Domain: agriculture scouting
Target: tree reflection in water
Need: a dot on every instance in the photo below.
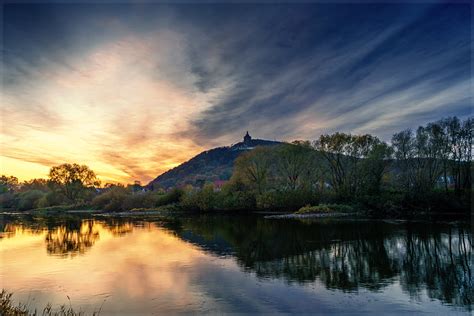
(342, 254)
(71, 239)
(67, 235)
(346, 255)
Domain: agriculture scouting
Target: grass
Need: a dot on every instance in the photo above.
(8, 308)
(325, 208)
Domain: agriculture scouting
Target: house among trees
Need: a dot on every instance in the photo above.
(218, 184)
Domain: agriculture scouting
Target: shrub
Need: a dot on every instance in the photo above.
(111, 200)
(170, 197)
(238, 200)
(151, 199)
(7, 200)
(50, 199)
(325, 208)
(28, 200)
(203, 200)
(286, 200)
(384, 203)
(136, 201)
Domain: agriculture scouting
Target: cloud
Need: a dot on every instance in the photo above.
(136, 89)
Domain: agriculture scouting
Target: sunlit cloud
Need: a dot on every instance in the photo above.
(133, 90)
(116, 109)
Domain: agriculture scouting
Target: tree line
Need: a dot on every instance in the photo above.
(424, 170)
(67, 184)
(428, 169)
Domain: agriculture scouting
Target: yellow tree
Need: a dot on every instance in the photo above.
(72, 179)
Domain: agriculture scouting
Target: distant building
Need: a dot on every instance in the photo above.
(247, 144)
(247, 138)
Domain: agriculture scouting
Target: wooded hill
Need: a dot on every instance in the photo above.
(209, 166)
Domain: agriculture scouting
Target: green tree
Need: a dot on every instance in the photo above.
(8, 184)
(29, 199)
(203, 199)
(334, 149)
(373, 167)
(35, 184)
(253, 168)
(112, 200)
(346, 156)
(295, 165)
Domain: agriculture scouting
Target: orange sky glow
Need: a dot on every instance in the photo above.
(112, 113)
(132, 90)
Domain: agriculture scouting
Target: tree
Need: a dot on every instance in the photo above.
(402, 146)
(72, 179)
(347, 156)
(466, 143)
(334, 148)
(253, 168)
(373, 167)
(29, 199)
(427, 157)
(112, 200)
(8, 184)
(35, 184)
(294, 164)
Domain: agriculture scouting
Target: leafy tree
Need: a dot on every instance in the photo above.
(202, 200)
(334, 149)
(72, 179)
(345, 154)
(253, 168)
(29, 199)
(373, 168)
(8, 184)
(112, 199)
(35, 184)
(295, 165)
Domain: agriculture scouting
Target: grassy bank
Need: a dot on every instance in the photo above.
(9, 308)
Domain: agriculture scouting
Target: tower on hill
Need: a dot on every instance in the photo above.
(247, 138)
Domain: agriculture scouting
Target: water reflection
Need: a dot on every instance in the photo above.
(66, 235)
(71, 239)
(347, 256)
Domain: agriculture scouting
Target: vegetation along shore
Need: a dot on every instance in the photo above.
(420, 173)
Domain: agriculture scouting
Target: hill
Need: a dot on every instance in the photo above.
(208, 166)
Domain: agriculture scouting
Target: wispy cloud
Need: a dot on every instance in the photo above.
(359, 76)
(133, 90)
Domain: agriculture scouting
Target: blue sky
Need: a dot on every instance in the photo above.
(134, 89)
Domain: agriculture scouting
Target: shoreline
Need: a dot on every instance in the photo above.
(312, 215)
(444, 217)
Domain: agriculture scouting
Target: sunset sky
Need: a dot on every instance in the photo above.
(134, 89)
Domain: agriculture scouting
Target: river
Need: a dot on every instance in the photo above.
(236, 264)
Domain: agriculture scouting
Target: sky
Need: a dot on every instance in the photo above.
(134, 89)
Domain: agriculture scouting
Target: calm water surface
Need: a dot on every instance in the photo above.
(248, 264)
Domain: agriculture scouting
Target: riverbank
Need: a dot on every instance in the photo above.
(313, 215)
(268, 215)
